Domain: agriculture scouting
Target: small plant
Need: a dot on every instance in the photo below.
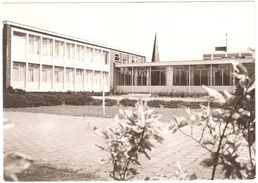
(133, 137)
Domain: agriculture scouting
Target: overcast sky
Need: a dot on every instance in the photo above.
(185, 30)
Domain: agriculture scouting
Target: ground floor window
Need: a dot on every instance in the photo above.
(69, 76)
(33, 73)
(79, 76)
(200, 75)
(18, 71)
(140, 76)
(180, 75)
(125, 76)
(58, 74)
(222, 75)
(46, 73)
(158, 76)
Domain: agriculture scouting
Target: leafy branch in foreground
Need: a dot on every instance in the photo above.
(134, 136)
(227, 133)
(14, 162)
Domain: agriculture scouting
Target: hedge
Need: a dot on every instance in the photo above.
(19, 98)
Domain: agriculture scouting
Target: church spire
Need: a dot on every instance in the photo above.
(155, 52)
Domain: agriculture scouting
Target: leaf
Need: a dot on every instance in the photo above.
(207, 162)
(250, 88)
(145, 153)
(215, 94)
(238, 67)
(133, 171)
(158, 138)
(101, 147)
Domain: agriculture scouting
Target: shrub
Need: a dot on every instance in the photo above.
(132, 138)
(110, 102)
(14, 100)
(128, 102)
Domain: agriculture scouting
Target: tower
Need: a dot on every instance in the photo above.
(155, 52)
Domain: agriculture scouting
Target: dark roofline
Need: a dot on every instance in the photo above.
(50, 33)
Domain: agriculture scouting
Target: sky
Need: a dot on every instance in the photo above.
(185, 30)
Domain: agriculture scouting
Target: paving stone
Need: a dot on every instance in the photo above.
(68, 142)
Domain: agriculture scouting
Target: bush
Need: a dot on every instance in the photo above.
(128, 102)
(110, 102)
(14, 100)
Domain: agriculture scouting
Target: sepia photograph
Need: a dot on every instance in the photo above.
(127, 90)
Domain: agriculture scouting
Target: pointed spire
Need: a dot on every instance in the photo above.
(155, 52)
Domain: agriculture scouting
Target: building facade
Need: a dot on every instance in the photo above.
(39, 60)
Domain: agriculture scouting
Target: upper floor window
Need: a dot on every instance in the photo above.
(80, 53)
(117, 57)
(34, 44)
(47, 47)
(89, 54)
(59, 49)
(105, 54)
(70, 51)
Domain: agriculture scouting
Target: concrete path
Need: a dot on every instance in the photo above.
(68, 142)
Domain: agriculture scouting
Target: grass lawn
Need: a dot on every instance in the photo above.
(95, 111)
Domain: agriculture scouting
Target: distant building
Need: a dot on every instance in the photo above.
(215, 71)
(40, 60)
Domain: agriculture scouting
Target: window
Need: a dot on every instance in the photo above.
(47, 47)
(117, 57)
(105, 53)
(19, 45)
(140, 75)
(125, 58)
(18, 71)
(98, 56)
(34, 45)
(88, 77)
(58, 74)
(70, 51)
(79, 76)
(33, 73)
(80, 53)
(59, 49)
(69, 75)
(221, 75)
(200, 75)
(158, 76)
(180, 75)
(89, 54)
(46, 74)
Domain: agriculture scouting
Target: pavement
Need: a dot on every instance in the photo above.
(68, 142)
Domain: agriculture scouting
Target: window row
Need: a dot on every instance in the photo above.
(216, 75)
(18, 74)
(126, 58)
(69, 51)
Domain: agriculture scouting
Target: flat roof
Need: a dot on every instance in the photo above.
(183, 62)
(42, 31)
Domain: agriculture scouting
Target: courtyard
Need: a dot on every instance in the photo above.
(66, 143)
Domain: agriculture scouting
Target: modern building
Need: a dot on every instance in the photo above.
(40, 60)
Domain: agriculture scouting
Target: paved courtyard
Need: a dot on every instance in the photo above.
(68, 142)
